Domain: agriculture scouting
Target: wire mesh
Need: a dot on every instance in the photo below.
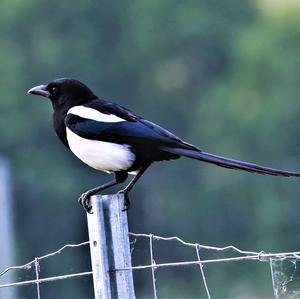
(36, 264)
(278, 263)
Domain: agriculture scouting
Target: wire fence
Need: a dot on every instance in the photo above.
(36, 264)
(279, 279)
(281, 275)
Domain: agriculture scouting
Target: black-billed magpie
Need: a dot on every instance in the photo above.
(111, 138)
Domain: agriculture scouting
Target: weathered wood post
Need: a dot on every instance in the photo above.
(110, 249)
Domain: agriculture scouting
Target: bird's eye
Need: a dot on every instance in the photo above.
(54, 90)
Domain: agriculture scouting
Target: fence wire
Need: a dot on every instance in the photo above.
(275, 260)
(36, 264)
(279, 278)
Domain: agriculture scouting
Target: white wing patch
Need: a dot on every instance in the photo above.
(90, 113)
(101, 155)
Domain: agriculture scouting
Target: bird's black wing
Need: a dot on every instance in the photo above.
(146, 136)
(107, 107)
(133, 133)
(146, 127)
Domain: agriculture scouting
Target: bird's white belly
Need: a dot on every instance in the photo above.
(101, 155)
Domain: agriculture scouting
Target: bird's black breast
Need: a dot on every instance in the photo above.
(60, 127)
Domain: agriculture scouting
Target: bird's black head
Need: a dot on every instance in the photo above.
(64, 92)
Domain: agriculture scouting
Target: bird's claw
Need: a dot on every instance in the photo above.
(84, 201)
(126, 200)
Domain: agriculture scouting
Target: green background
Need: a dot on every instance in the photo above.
(223, 75)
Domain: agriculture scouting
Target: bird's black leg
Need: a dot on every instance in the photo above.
(126, 190)
(120, 177)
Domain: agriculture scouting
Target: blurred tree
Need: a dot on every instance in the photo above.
(253, 115)
(214, 72)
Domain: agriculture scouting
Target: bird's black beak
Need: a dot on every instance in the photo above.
(40, 90)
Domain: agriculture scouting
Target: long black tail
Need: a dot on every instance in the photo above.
(229, 163)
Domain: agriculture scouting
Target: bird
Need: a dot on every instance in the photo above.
(111, 138)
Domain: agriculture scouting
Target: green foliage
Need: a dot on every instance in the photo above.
(217, 73)
(257, 106)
